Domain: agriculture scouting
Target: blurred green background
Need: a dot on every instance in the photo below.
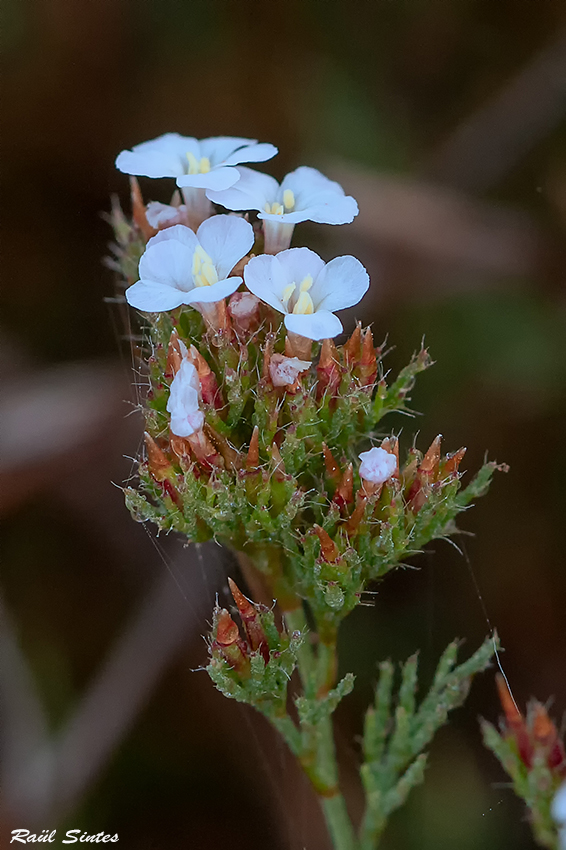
(446, 120)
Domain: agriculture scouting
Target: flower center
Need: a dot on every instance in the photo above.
(198, 166)
(204, 273)
(279, 209)
(301, 304)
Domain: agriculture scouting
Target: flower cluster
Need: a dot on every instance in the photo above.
(261, 432)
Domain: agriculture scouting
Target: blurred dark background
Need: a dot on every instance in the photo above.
(446, 120)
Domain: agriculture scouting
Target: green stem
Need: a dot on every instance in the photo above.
(338, 822)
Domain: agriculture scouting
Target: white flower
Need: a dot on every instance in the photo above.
(204, 164)
(285, 370)
(179, 267)
(559, 813)
(183, 403)
(377, 465)
(304, 195)
(299, 284)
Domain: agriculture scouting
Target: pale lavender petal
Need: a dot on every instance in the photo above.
(218, 148)
(178, 233)
(164, 156)
(219, 178)
(153, 297)
(319, 325)
(216, 292)
(252, 191)
(226, 239)
(342, 283)
(168, 262)
(298, 263)
(252, 153)
(266, 278)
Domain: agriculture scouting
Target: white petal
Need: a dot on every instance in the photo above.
(319, 325)
(306, 183)
(252, 153)
(183, 402)
(178, 233)
(168, 262)
(323, 199)
(218, 148)
(266, 278)
(300, 262)
(559, 805)
(217, 179)
(216, 292)
(252, 191)
(161, 157)
(286, 218)
(226, 239)
(153, 297)
(334, 210)
(342, 283)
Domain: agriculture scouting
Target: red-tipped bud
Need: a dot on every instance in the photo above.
(208, 384)
(357, 514)
(251, 621)
(232, 457)
(277, 461)
(285, 371)
(138, 210)
(227, 639)
(430, 462)
(298, 346)
(252, 458)
(267, 355)
(205, 451)
(158, 463)
(352, 348)
(367, 369)
(176, 350)
(514, 720)
(328, 370)
(332, 468)
(328, 548)
(452, 462)
(344, 494)
(243, 308)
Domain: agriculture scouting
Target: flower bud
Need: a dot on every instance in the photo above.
(328, 370)
(251, 621)
(352, 348)
(138, 210)
(158, 463)
(243, 308)
(328, 548)
(284, 371)
(209, 390)
(344, 495)
(332, 468)
(367, 369)
(226, 639)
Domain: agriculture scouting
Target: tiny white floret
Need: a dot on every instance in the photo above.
(299, 284)
(285, 370)
(377, 465)
(181, 267)
(164, 215)
(183, 403)
(201, 164)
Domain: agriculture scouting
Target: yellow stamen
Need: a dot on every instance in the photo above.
(204, 273)
(306, 283)
(197, 166)
(287, 292)
(304, 304)
(288, 199)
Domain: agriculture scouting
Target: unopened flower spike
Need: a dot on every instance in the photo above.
(181, 267)
(304, 195)
(299, 284)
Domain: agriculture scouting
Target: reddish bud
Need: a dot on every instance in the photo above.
(328, 548)
(430, 462)
(267, 354)
(352, 347)
(227, 639)
(452, 462)
(357, 515)
(344, 494)
(277, 460)
(367, 369)
(138, 210)
(158, 463)
(205, 451)
(243, 308)
(209, 390)
(328, 370)
(251, 621)
(515, 722)
(391, 445)
(332, 468)
(175, 353)
(252, 458)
